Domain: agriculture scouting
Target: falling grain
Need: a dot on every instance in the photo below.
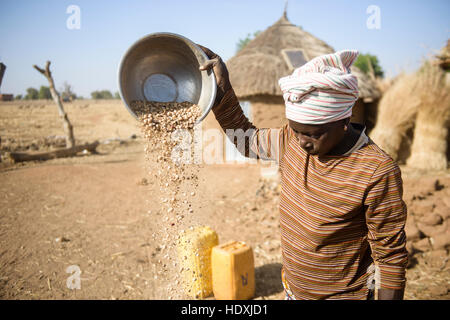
(168, 128)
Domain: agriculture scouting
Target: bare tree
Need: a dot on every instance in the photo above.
(70, 139)
(71, 149)
(67, 93)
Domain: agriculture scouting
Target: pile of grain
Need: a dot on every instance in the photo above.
(166, 126)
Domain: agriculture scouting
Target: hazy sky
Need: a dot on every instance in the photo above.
(34, 31)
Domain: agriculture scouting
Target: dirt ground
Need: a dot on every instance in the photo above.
(96, 211)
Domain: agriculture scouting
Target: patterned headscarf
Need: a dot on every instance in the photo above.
(322, 90)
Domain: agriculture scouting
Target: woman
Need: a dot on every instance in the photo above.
(342, 216)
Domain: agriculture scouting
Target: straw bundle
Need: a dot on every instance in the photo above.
(443, 59)
(383, 84)
(396, 113)
(429, 148)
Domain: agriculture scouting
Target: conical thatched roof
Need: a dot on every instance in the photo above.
(255, 69)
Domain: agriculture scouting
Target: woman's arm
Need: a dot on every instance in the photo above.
(249, 140)
(386, 217)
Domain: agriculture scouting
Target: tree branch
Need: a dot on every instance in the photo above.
(60, 153)
(67, 125)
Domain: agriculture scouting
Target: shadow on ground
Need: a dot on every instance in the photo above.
(268, 279)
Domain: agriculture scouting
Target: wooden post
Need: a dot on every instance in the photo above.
(2, 72)
(70, 139)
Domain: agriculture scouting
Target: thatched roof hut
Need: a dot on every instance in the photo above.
(255, 70)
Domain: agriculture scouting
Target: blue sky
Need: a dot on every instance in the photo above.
(34, 31)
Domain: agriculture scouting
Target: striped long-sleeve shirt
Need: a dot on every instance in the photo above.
(341, 217)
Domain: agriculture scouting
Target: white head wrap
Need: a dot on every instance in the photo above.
(322, 90)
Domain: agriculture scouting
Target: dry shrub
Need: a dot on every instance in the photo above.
(429, 148)
(396, 112)
(383, 84)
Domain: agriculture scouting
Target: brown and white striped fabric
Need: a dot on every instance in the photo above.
(339, 215)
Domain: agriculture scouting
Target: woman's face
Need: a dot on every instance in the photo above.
(319, 139)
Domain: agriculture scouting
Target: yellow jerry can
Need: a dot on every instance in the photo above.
(233, 271)
(194, 254)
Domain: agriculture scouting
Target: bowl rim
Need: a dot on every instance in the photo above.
(174, 35)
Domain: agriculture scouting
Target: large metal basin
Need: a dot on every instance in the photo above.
(164, 67)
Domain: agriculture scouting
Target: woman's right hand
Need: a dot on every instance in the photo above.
(220, 72)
